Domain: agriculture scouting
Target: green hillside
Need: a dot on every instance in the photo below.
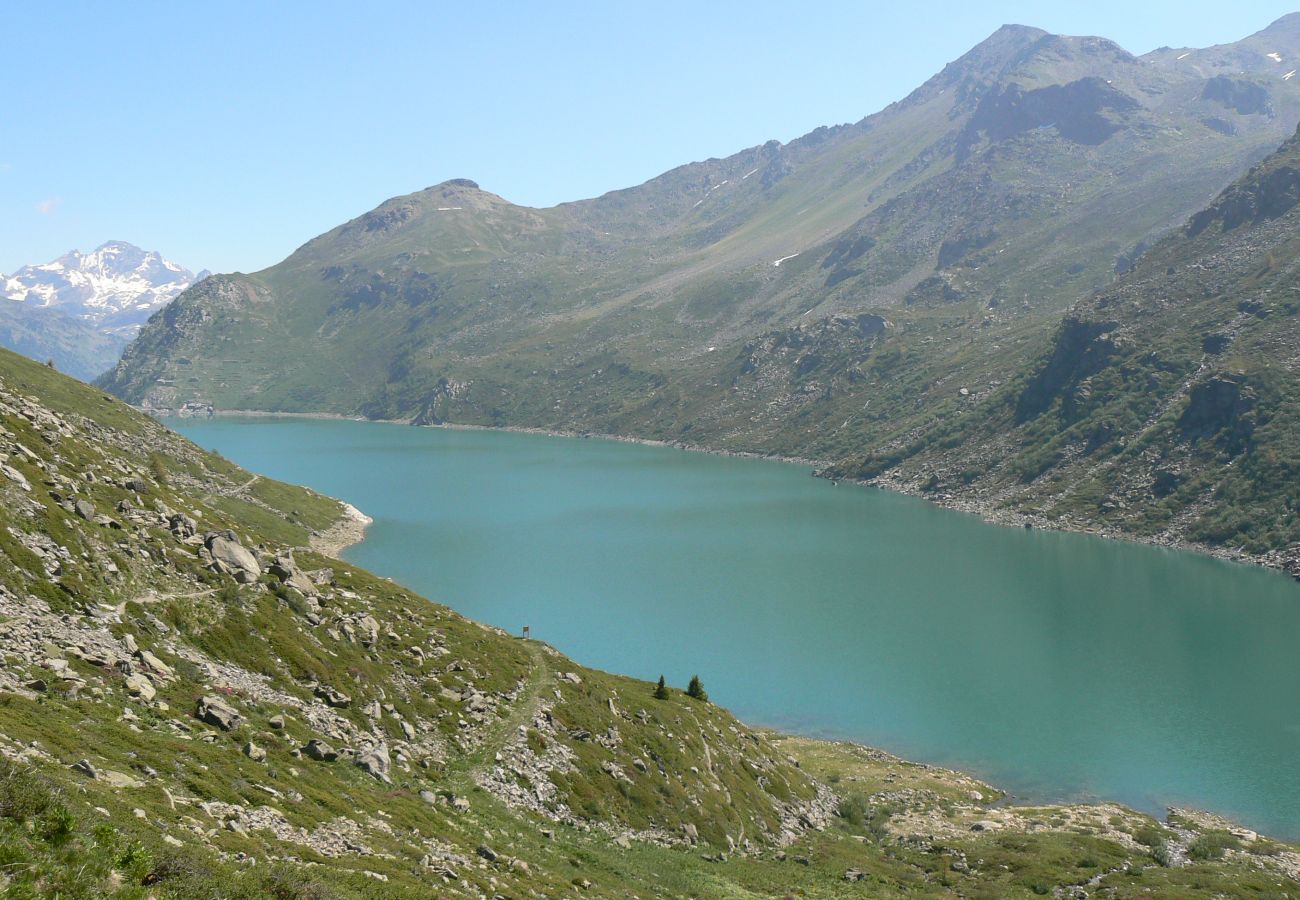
(1164, 406)
(195, 703)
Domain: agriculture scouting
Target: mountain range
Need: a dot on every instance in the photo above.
(847, 296)
(83, 308)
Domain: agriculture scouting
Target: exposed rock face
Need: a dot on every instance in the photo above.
(1222, 407)
(215, 711)
(1083, 111)
(1082, 349)
(1241, 96)
(1271, 195)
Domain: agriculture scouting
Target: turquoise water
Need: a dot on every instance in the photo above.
(1057, 666)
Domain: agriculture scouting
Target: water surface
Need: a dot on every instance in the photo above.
(1058, 666)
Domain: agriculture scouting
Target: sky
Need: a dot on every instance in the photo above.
(228, 134)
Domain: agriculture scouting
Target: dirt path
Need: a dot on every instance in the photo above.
(541, 680)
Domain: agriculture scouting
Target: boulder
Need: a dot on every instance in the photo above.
(154, 664)
(332, 697)
(139, 685)
(375, 762)
(285, 569)
(182, 525)
(254, 752)
(85, 509)
(320, 751)
(233, 556)
(369, 630)
(215, 711)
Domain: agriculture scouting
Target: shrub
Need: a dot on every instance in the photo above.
(23, 796)
(58, 825)
(1212, 845)
(1149, 835)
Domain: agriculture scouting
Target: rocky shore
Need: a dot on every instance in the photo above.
(348, 530)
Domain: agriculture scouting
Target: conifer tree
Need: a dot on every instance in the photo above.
(696, 689)
(661, 692)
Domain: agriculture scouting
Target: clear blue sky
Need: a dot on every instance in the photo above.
(226, 134)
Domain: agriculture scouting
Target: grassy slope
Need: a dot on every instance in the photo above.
(1164, 405)
(558, 763)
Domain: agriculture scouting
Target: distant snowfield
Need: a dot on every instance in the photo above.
(115, 287)
(778, 262)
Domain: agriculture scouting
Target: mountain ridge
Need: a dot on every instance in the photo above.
(810, 299)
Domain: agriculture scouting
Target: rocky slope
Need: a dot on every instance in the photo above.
(716, 303)
(1162, 407)
(195, 703)
(81, 309)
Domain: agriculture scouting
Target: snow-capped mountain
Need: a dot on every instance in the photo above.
(114, 288)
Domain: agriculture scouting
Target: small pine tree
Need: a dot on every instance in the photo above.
(661, 692)
(696, 689)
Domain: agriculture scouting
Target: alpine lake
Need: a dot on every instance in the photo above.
(1056, 666)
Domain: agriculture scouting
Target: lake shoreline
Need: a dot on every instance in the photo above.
(986, 510)
(352, 530)
(347, 531)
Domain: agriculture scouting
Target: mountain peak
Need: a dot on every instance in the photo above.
(453, 184)
(996, 50)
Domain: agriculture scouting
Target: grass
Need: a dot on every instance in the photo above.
(609, 757)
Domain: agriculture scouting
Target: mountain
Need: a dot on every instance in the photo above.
(1163, 406)
(115, 287)
(831, 298)
(198, 701)
(81, 309)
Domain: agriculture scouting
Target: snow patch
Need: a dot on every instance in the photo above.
(747, 174)
(778, 262)
(1276, 57)
(1185, 55)
(1289, 75)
